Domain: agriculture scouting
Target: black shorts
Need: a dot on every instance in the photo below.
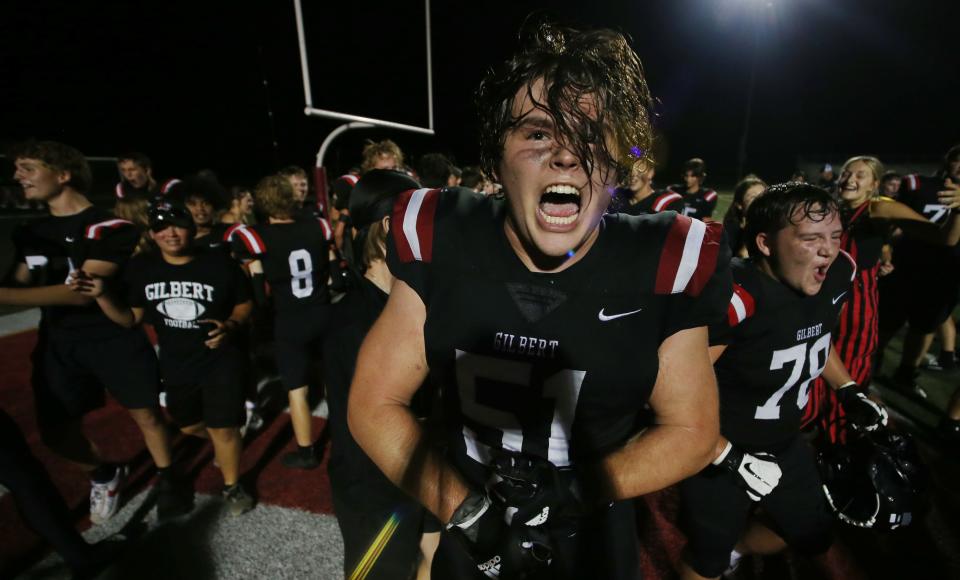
(714, 510)
(603, 545)
(298, 337)
(214, 397)
(69, 375)
(921, 295)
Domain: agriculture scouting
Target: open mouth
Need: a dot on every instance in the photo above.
(820, 272)
(560, 205)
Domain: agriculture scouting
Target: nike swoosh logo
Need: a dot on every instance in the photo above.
(837, 299)
(606, 318)
(68, 239)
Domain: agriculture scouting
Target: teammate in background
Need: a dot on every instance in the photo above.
(80, 351)
(867, 223)
(799, 176)
(301, 187)
(203, 198)
(456, 176)
(291, 256)
(826, 179)
(196, 301)
(744, 193)
(381, 155)
(136, 171)
(365, 501)
(134, 210)
(340, 215)
(434, 170)
(519, 308)
(699, 201)
(774, 342)
(928, 266)
(241, 207)
(890, 184)
(640, 198)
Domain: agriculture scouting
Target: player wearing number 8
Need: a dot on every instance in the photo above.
(775, 341)
(290, 257)
(520, 309)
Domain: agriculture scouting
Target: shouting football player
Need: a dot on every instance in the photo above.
(520, 306)
(196, 300)
(79, 350)
(775, 341)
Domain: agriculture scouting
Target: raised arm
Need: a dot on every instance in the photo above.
(391, 367)
(93, 287)
(915, 225)
(55, 294)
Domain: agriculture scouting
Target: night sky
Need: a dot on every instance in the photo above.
(184, 81)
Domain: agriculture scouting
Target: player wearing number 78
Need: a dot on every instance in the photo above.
(774, 343)
(549, 327)
(291, 256)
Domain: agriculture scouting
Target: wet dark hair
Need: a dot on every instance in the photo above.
(574, 65)
(779, 206)
(59, 157)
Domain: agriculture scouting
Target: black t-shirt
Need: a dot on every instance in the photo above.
(55, 245)
(175, 298)
(777, 344)
(215, 240)
(295, 258)
(698, 205)
(663, 200)
(556, 365)
(351, 470)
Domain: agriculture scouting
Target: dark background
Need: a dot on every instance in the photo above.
(217, 84)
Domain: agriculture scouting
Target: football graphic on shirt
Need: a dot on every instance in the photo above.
(181, 308)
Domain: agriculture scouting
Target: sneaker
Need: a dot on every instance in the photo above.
(254, 421)
(237, 499)
(174, 497)
(105, 497)
(299, 460)
(906, 383)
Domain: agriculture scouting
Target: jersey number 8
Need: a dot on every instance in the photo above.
(301, 272)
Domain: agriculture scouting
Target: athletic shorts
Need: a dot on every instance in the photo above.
(69, 375)
(602, 545)
(298, 337)
(715, 508)
(215, 396)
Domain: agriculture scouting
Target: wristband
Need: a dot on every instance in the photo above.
(723, 454)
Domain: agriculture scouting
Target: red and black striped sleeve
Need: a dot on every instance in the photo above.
(245, 243)
(413, 230)
(110, 240)
(694, 270)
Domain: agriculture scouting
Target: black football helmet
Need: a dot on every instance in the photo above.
(874, 481)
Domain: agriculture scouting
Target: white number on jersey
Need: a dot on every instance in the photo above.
(561, 391)
(798, 355)
(934, 211)
(301, 273)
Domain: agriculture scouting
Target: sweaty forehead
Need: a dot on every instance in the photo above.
(530, 103)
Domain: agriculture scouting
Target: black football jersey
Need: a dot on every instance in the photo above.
(558, 365)
(698, 205)
(175, 298)
(217, 240)
(920, 193)
(295, 259)
(664, 200)
(53, 246)
(777, 344)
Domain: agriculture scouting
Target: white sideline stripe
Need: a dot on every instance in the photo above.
(410, 221)
(690, 257)
(19, 321)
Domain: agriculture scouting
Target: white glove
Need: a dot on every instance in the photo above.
(759, 473)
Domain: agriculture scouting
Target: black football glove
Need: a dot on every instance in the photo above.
(758, 473)
(862, 413)
(532, 490)
(500, 551)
